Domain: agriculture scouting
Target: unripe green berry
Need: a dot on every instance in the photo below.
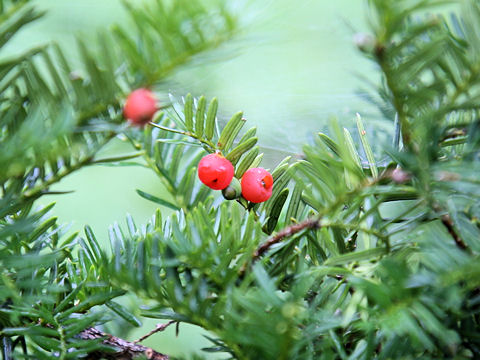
(232, 191)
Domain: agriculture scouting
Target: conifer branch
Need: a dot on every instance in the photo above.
(158, 328)
(121, 349)
(208, 145)
(448, 223)
(286, 232)
(38, 191)
(396, 97)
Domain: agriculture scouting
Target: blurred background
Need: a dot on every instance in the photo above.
(292, 68)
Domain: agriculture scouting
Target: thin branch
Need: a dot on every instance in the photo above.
(314, 223)
(448, 223)
(121, 349)
(158, 328)
(211, 146)
(35, 193)
(286, 232)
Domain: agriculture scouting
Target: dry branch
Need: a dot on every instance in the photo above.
(121, 349)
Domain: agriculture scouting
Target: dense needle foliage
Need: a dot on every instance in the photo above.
(351, 258)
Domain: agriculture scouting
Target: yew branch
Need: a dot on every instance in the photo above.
(282, 234)
(121, 349)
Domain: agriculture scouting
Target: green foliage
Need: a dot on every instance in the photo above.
(350, 258)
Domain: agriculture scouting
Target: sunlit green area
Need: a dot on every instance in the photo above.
(292, 68)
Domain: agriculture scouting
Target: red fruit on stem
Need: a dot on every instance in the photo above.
(140, 106)
(257, 185)
(215, 171)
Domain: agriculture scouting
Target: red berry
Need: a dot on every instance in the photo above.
(215, 171)
(140, 106)
(257, 185)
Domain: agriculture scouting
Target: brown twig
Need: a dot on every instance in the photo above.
(448, 223)
(287, 232)
(282, 234)
(158, 328)
(121, 349)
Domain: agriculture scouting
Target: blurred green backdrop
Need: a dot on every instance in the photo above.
(291, 68)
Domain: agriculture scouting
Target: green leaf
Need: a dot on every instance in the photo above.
(397, 134)
(157, 200)
(248, 134)
(69, 241)
(24, 14)
(132, 228)
(68, 299)
(278, 187)
(240, 149)
(256, 161)
(186, 184)
(45, 342)
(228, 132)
(247, 162)
(124, 313)
(211, 119)
(338, 345)
(175, 161)
(74, 326)
(294, 203)
(94, 245)
(200, 116)
(281, 168)
(93, 300)
(188, 112)
(351, 148)
(266, 284)
(329, 142)
(236, 131)
(353, 165)
(61, 90)
(42, 229)
(118, 158)
(166, 314)
(157, 223)
(179, 142)
(356, 256)
(275, 211)
(366, 146)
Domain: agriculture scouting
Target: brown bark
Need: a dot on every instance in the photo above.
(288, 231)
(121, 349)
(282, 234)
(448, 223)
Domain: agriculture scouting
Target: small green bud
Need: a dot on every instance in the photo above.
(232, 191)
